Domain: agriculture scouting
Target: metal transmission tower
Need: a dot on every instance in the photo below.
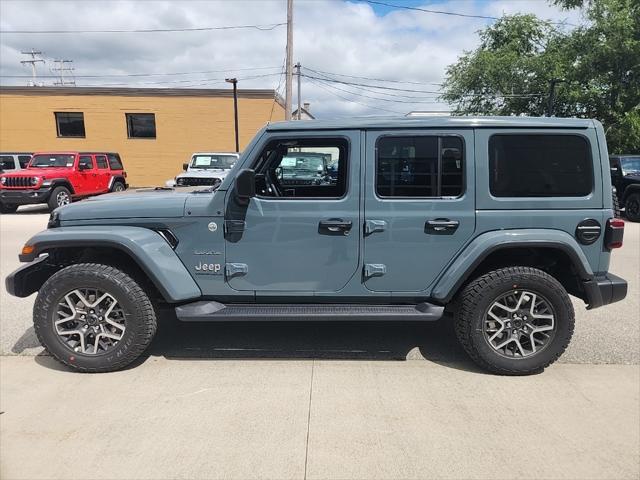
(32, 62)
(62, 69)
(289, 70)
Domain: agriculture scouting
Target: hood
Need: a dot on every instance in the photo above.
(141, 203)
(208, 173)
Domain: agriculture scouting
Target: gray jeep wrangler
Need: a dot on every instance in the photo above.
(489, 222)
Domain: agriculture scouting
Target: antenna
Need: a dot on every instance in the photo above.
(32, 62)
(61, 69)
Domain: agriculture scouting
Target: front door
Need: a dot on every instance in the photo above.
(419, 206)
(302, 231)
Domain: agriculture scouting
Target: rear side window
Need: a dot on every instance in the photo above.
(540, 166)
(6, 162)
(114, 162)
(419, 166)
(101, 160)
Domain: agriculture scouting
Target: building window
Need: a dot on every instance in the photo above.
(540, 166)
(70, 124)
(141, 125)
(419, 166)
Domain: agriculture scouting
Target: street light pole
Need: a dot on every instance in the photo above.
(234, 81)
(552, 95)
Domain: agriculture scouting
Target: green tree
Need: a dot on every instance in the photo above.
(599, 62)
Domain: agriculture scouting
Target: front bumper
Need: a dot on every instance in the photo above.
(24, 197)
(27, 279)
(605, 289)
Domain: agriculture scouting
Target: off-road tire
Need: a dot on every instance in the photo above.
(118, 186)
(8, 208)
(140, 316)
(53, 198)
(474, 300)
(632, 207)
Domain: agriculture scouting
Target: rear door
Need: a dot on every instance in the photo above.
(419, 205)
(103, 174)
(85, 179)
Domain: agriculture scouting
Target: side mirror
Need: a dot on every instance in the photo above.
(185, 166)
(245, 184)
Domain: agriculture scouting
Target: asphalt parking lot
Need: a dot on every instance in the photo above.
(365, 400)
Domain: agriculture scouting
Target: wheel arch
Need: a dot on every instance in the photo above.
(139, 251)
(630, 189)
(117, 178)
(62, 182)
(554, 252)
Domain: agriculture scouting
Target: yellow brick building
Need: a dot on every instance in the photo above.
(153, 147)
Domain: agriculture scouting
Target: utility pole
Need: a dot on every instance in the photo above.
(297, 65)
(62, 69)
(234, 81)
(289, 71)
(32, 62)
(552, 95)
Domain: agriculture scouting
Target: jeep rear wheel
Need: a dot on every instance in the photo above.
(93, 318)
(632, 207)
(514, 321)
(118, 187)
(60, 196)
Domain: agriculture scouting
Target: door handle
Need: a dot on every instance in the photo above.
(335, 226)
(441, 226)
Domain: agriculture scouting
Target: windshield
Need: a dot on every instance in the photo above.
(223, 162)
(54, 160)
(630, 164)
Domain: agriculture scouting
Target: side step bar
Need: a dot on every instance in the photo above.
(210, 311)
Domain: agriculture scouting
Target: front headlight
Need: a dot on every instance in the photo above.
(35, 180)
(3, 180)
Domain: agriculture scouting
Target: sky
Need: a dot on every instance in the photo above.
(349, 41)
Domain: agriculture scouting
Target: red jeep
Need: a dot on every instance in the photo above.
(61, 177)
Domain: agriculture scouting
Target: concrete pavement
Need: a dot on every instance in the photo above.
(314, 419)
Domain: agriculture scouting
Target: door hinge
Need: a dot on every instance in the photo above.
(371, 226)
(374, 270)
(235, 269)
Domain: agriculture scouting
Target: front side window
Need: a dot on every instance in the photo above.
(419, 166)
(24, 160)
(70, 124)
(213, 162)
(85, 163)
(540, 166)
(141, 125)
(55, 160)
(303, 168)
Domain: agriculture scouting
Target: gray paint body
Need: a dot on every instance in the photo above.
(288, 260)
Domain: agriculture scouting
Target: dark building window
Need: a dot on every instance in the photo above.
(141, 125)
(419, 166)
(540, 166)
(70, 124)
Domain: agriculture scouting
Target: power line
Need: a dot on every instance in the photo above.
(381, 99)
(374, 86)
(323, 87)
(370, 78)
(266, 27)
(117, 75)
(443, 12)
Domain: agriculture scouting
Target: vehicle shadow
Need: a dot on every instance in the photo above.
(376, 340)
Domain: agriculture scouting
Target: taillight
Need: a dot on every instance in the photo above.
(614, 234)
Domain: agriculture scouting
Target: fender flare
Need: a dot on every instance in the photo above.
(146, 247)
(632, 188)
(485, 244)
(116, 178)
(61, 182)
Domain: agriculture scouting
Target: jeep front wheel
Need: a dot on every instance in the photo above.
(93, 318)
(514, 321)
(60, 196)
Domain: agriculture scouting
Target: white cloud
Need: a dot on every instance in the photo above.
(333, 36)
